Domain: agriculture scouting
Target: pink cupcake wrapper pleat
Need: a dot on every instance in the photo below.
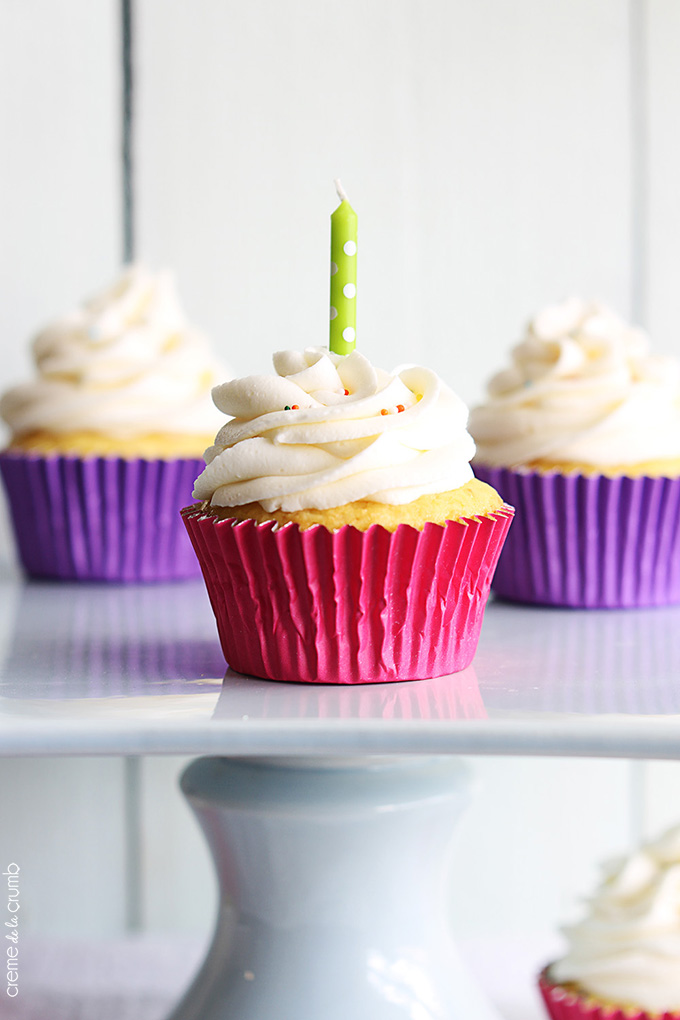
(589, 541)
(101, 518)
(316, 606)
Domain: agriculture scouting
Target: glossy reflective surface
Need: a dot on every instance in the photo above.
(137, 669)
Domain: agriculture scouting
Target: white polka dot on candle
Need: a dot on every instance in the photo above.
(334, 312)
(349, 248)
(334, 268)
(348, 334)
(349, 290)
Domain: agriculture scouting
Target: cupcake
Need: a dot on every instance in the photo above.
(623, 960)
(582, 435)
(106, 442)
(341, 533)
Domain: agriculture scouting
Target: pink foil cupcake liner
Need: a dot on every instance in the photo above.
(563, 1004)
(347, 607)
(101, 518)
(589, 542)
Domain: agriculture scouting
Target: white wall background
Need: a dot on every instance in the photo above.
(500, 154)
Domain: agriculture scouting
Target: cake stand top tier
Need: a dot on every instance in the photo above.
(94, 669)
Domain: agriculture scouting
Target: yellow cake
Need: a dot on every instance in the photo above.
(151, 446)
(662, 467)
(93, 444)
(472, 500)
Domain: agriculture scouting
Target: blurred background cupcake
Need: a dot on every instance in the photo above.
(106, 442)
(582, 435)
(623, 959)
(342, 535)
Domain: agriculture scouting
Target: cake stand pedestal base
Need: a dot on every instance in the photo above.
(332, 892)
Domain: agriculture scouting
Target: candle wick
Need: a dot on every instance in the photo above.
(340, 190)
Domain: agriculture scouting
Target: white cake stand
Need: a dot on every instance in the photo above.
(329, 811)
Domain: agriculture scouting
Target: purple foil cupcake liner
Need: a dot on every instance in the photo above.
(589, 541)
(101, 518)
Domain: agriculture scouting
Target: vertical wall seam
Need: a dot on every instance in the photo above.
(639, 158)
(127, 124)
(133, 844)
(132, 822)
(638, 99)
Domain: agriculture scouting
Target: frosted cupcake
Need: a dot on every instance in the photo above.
(623, 959)
(582, 435)
(107, 440)
(342, 535)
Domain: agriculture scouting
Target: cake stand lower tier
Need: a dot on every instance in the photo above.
(332, 890)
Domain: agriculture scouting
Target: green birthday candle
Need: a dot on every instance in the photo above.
(343, 276)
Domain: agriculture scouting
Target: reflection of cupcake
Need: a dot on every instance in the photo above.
(624, 958)
(582, 435)
(106, 442)
(109, 641)
(589, 661)
(342, 535)
(440, 699)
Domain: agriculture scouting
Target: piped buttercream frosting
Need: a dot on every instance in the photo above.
(126, 363)
(627, 950)
(582, 388)
(328, 429)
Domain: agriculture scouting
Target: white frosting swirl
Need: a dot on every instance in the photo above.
(125, 363)
(628, 949)
(335, 448)
(582, 388)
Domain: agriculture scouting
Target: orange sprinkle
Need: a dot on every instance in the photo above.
(384, 411)
(295, 407)
(400, 407)
(346, 393)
